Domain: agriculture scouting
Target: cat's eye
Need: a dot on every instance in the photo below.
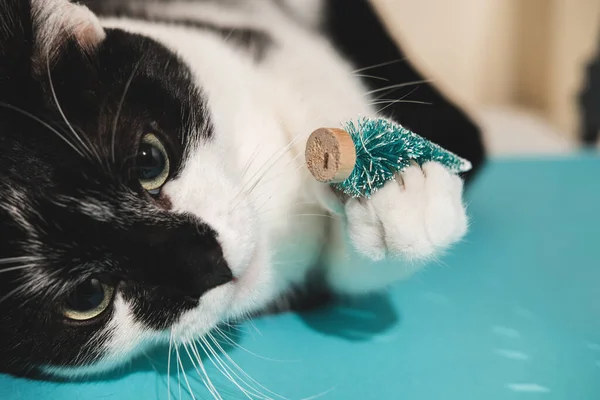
(152, 164)
(88, 300)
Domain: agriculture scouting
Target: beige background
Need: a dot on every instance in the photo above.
(519, 53)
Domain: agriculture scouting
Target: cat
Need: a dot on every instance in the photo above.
(151, 171)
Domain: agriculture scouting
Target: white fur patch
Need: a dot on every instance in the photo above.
(248, 181)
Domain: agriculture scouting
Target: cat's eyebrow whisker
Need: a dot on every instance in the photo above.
(383, 64)
(46, 125)
(203, 375)
(85, 147)
(226, 370)
(240, 369)
(120, 107)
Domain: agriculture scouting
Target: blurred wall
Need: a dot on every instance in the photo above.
(525, 53)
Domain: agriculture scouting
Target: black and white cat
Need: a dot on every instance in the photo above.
(151, 170)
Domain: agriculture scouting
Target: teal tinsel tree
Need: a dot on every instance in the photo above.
(383, 149)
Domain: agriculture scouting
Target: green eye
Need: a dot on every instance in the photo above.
(152, 164)
(88, 300)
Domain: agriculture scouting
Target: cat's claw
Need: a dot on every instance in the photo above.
(414, 217)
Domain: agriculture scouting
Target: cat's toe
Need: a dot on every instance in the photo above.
(416, 216)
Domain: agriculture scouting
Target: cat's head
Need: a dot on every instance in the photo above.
(121, 216)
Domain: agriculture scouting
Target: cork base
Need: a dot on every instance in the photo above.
(330, 155)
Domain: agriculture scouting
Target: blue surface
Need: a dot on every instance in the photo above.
(513, 313)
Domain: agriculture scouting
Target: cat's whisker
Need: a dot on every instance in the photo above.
(241, 370)
(233, 343)
(93, 149)
(120, 107)
(390, 91)
(151, 362)
(258, 181)
(203, 375)
(247, 389)
(371, 77)
(85, 147)
(251, 161)
(400, 99)
(220, 368)
(390, 101)
(276, 190)
(11, 293)
(234, 327)
(17, 268)
(13, 260)
(261, 211)
(178, 372)
(397, 86)
(262, 171)
(317, 215)
(226, 370)
(46, 125)
(250, 321)
(169, 363)
(383, 64)
(187, 382)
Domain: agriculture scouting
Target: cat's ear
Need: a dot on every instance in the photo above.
(55, 22)
(33, 33)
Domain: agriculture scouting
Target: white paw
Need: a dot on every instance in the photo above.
(414, 217)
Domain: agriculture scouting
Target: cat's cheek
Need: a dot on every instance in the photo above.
(257, 286)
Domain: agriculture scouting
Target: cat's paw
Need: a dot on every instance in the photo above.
(414, 217)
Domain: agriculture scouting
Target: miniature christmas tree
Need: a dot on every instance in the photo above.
(367, 153)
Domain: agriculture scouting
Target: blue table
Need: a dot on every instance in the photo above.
(513, 313)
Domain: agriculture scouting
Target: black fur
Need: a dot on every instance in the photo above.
(589, 102)
(359, 33)
(44, 183)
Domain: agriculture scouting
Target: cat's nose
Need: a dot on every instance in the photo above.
(203, 265)
(193, 261)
